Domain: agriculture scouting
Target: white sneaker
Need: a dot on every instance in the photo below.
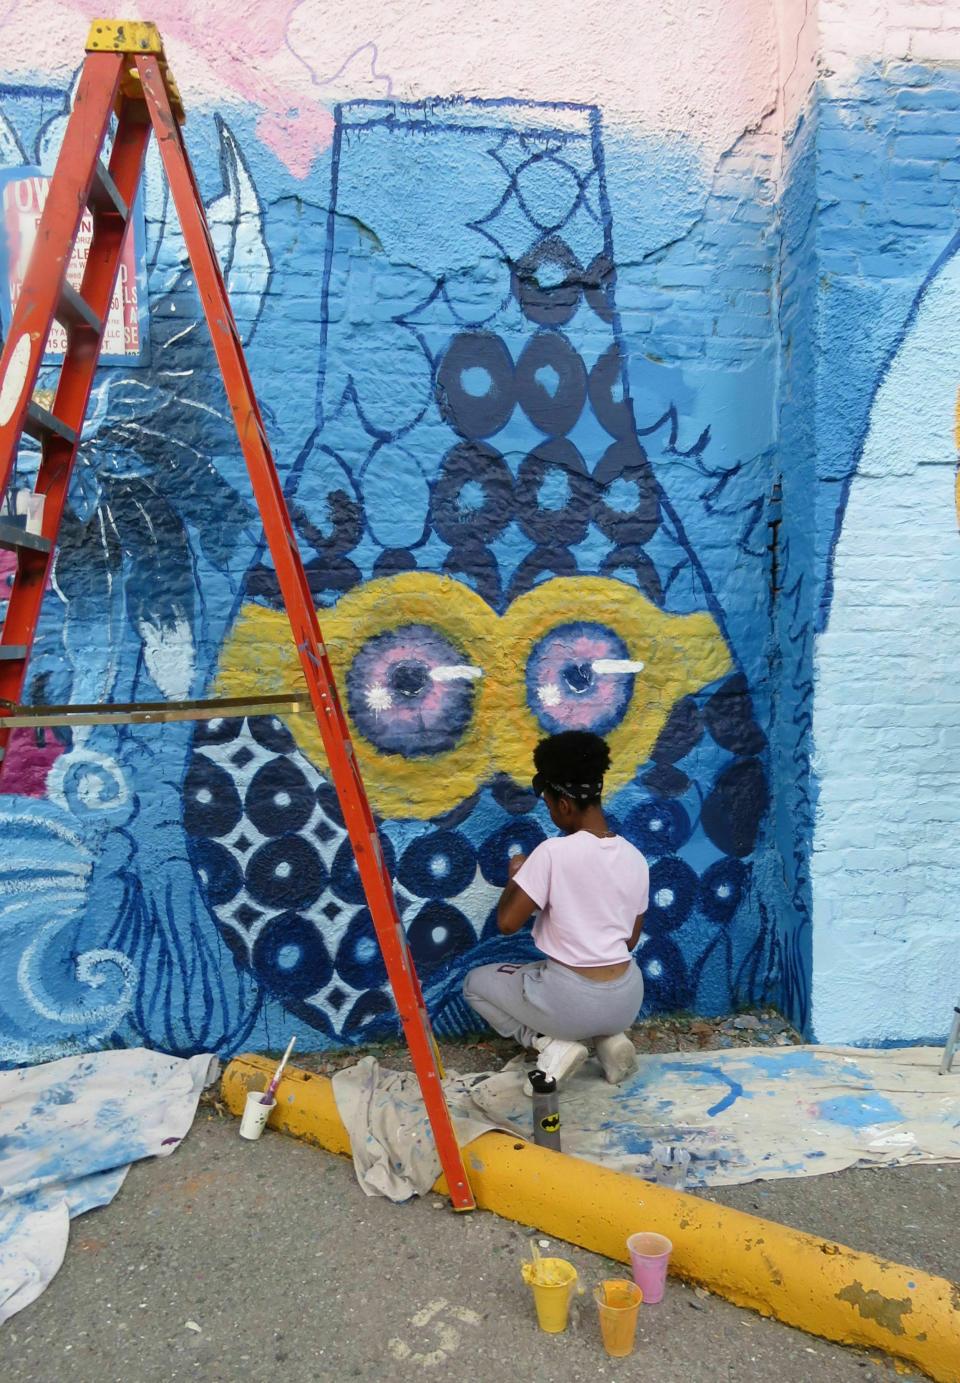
(559, 1058)
(618, 1057)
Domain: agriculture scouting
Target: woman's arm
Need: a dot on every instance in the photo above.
(515, 906)
(635, 934)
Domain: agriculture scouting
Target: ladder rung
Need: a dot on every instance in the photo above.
(39, 423)
(74, 311)
(15, 538)
(12, 652)
(152, 713)
(104, 195)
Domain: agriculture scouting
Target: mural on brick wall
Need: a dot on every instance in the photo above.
(494, 558)
(888, 719)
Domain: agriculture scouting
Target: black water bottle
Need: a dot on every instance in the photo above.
(546, 1110)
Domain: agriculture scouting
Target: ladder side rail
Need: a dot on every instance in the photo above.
(78, 368)
(47, 267)
(104, 257)
(305, 627)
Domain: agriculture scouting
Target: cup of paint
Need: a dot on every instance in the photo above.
(618, 1305)
(650, 1254)
(554, 1282)
(255, 1115)
(670, 1165)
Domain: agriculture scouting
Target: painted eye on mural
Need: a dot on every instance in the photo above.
(580, 677)
(411, 691)
(443, 693)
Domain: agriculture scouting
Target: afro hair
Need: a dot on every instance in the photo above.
(574, 762)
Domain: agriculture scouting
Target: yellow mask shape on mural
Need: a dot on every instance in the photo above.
(442, 693)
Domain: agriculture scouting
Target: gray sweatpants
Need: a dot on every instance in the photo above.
(546, 999)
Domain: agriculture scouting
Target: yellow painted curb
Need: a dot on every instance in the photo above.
(819, 1286)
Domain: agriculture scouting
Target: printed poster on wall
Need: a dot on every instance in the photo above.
(23, 194)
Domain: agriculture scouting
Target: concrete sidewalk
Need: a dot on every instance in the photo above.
(231, 1261)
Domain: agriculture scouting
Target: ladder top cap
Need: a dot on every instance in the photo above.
(123, 36)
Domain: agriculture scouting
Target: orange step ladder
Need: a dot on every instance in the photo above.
(125, 73)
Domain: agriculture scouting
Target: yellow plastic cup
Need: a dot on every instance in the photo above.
(554, 1282)
(618, 1305)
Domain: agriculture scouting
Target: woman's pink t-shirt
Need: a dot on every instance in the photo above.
(590, 892)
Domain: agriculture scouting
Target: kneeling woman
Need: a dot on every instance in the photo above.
(591, 888)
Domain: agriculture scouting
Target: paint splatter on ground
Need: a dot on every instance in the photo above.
(679, 1033)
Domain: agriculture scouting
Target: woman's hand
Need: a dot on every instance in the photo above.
(516, 863)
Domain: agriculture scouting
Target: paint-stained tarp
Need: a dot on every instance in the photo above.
(751, 1115)
(68, 1133)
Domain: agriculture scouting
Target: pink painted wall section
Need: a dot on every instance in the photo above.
(654, 65)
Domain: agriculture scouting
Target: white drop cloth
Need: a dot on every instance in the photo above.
(753, 1114)
(68, 1132)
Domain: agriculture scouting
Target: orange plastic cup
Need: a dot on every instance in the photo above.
(618, 1305)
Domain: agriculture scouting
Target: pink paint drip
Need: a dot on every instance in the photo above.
(247, 54)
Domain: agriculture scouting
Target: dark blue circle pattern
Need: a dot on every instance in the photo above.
(673, 891)
(558, 463)
(729, 718)
(545, 298)
(629, 513)
(290, 958)
(735, 807)
(475, 386)
(345, 876)
(682, 732)
(439, 865)
(437, 934)
(542, 561)
(519, 837)
(554, 500)
(551, 383)
(658, 826)
(286, 872)
(359, 960)
(722, 887)
(631, 560)
(608, 397)
(666, 981)
(470, 561)
(279, 799)
(371, 1019)
(272, 734)
(218, 871)
(211, 803)
(473, 496)
(215, 731)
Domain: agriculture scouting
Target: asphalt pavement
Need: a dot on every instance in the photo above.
(231, 1261)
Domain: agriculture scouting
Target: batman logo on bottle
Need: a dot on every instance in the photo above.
(551, 1124)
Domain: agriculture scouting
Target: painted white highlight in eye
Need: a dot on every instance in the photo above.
(549, 694)
(378, 698)
(610, 667)
(455, 672)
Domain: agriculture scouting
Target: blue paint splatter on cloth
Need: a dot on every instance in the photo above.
(69, 1131)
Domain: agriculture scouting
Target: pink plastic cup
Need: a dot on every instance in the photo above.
(650, 1254)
